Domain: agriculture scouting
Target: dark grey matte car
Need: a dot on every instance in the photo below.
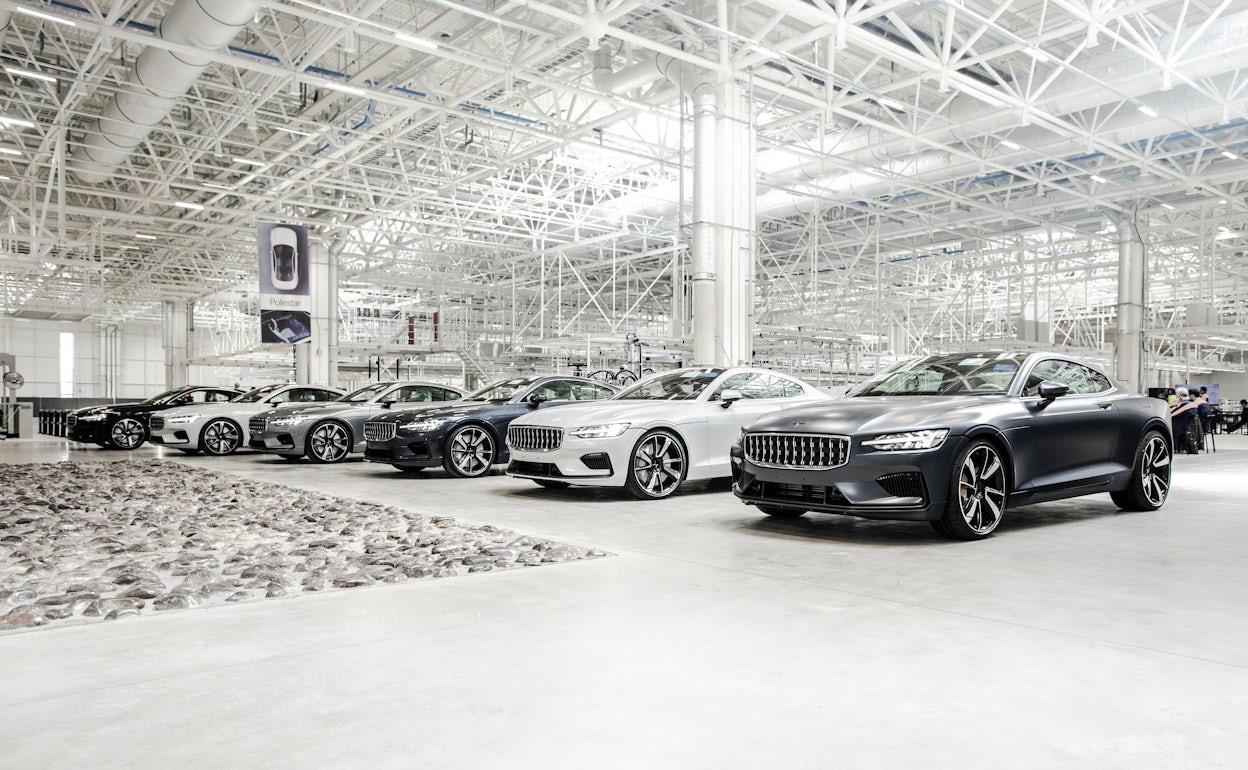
(329, 432)
(957, 440)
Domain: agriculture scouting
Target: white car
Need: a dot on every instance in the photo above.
(284, 252)
(220, 429)
(653, 436)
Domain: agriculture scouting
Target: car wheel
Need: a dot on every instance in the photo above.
(469, 452)
(127, 433)
(781, 513)
(551, 484)
(1150, 476)
(328, 442)
(658, 466)
(413, 469)
(220, 437)
(977, 493)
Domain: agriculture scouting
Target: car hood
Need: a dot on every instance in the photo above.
(880, 414)
(451, 410)
(612, 411)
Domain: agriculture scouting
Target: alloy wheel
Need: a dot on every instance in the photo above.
(658, 466)
(470, 452)
(221, 437)
(981, 489)
(127, 433)
(328, 443)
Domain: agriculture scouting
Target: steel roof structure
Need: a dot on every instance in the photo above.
(928, 173)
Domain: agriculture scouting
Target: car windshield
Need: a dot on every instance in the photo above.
(503, 390)
(163, 397)
(680, 385)
(252, 396)
(367, 393)
(946, 375)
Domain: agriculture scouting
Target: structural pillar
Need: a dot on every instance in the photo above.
(1130, 329)
(176, 333)
(315, 358)
(735, 228)
(703, 280)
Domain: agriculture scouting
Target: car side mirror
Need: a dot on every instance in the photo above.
(728, 397)
(537, 399)
(1050, 390)
(388, 403)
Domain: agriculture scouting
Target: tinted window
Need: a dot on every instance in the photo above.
(442, 394)
(1079, 378)
(945, 375)
(253, 396)
(680, 385)
(759, 385)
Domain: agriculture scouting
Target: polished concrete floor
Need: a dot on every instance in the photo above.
(1077, 636)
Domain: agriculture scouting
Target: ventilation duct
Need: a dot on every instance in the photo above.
(159, 78)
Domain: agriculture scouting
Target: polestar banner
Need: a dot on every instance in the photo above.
(285, 299)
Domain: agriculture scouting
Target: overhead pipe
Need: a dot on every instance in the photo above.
(158, 79)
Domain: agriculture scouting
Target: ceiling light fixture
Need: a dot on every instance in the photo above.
(414, 40)
(891, 103)
(1167, 206)
(21, 73)
(344, 88)
(188, 206)
(1099, 179)
(10, 151)
(1149, 111)
(144, 237)
(250, 162)
(1038, 55)
(5, 179)
(216, 186)
(1229, 154)
(44, 16)
(5, 120)
(1011, 145)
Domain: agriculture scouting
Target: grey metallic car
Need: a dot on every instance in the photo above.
(328, 432)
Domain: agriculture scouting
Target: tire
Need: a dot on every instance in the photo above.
(551, 484)
(470, 452)
(781, 513)
(625, 378)
(977, 493)
(127, 433)
(1150, 475)
(412, 469)
(658, 466)
(220, 437)
(328, 442)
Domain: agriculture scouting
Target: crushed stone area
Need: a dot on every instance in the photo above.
(84, 542)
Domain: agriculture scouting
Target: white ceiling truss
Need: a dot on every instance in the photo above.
(930, 172)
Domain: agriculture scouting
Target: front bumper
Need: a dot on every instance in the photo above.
(171, 436)
(911, 486)
(276, 442)
(415, 451)
(599, 462)
(92, 432)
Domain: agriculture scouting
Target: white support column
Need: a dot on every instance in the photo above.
(735, 229)
(176, 333)
(1130, 328)
(702, 248)
(313, 358)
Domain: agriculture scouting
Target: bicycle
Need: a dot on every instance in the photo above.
(621, 376)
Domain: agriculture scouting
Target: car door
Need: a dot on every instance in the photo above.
(761, 392)
(1071, 439)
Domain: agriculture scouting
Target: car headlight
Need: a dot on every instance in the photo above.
(293, 419)
(95, 417)
(910, 440)
(182, 419)
(422, 424)
(607, 430)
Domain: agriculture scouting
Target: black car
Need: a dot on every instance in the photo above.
(956, 440)
(467, 437)
(125, 426)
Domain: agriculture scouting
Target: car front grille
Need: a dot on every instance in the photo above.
(534, 439)
(257, 425)
(379, 431)
(808, 451)
(72, 421)
(156, 423)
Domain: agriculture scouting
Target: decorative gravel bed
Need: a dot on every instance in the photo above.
(83, 542)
